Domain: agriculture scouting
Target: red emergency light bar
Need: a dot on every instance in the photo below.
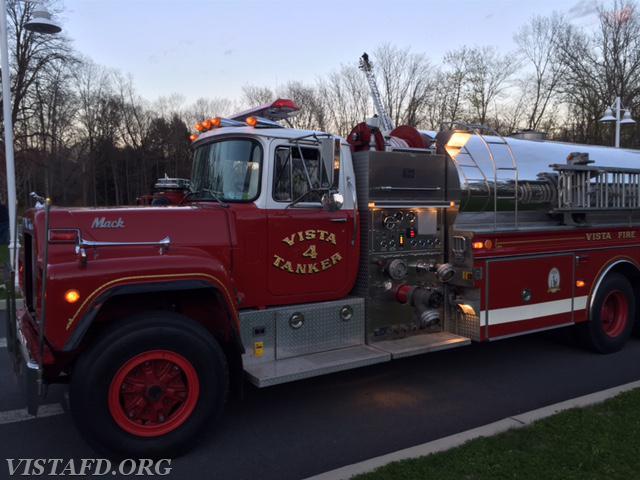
(278, 110)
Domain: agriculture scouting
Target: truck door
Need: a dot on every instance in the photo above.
(308, 246)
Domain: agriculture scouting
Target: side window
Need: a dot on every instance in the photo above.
(298, 170)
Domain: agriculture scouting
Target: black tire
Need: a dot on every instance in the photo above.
(608, 330)
(139, 335)
(636, 325)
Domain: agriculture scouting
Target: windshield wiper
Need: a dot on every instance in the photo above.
(215, 195)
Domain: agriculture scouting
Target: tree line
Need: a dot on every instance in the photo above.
(85, 136)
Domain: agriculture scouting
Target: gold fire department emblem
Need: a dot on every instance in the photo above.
(553, 280)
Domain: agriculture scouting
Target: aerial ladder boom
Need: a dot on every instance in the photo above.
(367, 67)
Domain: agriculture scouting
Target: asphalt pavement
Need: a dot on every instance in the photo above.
(301, 429)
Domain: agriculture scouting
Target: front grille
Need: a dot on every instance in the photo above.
(29, 268)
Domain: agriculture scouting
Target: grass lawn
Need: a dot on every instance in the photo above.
(600, 442)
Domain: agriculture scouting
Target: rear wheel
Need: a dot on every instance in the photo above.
(612, 315)
(150, 386)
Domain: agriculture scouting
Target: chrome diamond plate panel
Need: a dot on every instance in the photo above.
(323, 328)
(297, 368)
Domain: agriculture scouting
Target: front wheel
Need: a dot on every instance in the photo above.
(149, 387)
(612, 315)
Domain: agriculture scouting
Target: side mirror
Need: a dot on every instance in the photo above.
(330, 148)
(332, 201)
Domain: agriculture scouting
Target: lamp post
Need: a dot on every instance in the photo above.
(40, 23)
(625, 120)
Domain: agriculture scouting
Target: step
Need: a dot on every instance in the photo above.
(306, 366)
(423, 343)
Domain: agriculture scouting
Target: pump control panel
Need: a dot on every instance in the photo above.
(400, 230)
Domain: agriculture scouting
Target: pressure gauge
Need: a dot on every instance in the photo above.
(397, 269)
(389, 223)
(410, 216)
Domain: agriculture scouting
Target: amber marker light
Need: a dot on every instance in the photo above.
(193, 137)
(580, 283)
(72, 296)
(207, 124)
(478, 245)
(216, 122)
(252, 121)
(199, 127)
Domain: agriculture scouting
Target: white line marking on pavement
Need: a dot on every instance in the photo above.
(21, 415)
(3, 343)
(445, 443)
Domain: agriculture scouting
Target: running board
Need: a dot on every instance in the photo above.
(422, 343)
(315, 364)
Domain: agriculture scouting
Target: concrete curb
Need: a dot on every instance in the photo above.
(446, 443)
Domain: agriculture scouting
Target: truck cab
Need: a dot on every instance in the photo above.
(288, 254)
(292, 242)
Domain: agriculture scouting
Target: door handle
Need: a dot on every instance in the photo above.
(339, 220)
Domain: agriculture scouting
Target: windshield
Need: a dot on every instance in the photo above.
(228, 169)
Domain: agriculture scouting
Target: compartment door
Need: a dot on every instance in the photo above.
(528, 294)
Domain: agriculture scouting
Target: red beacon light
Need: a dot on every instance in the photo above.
(279, 110)
(284, 106)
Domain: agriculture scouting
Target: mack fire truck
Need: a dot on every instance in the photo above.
(290, 254)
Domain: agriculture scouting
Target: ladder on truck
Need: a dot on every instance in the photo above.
(589, 188)
(503, 164)
(367, 67)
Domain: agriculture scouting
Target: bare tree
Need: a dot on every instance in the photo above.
(600, 67)
(253, 95)
(487, 76)
(406, 79)
(347, 99)
(31, 52)
(204, 108)
(312, 114)
(537, 43)
(92, 84)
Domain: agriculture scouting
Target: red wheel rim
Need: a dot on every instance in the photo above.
(153, 393)
(614, 313)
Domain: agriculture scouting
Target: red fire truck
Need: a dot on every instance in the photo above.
(291, 254)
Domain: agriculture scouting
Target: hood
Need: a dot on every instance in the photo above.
(187, 226)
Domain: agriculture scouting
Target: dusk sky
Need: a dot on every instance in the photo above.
(212, 48)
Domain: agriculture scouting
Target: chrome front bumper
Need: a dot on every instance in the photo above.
(27, 369)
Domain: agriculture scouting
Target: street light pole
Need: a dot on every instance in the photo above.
(618, 118)
(8, 129)
(40, 23)
(617, 143)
